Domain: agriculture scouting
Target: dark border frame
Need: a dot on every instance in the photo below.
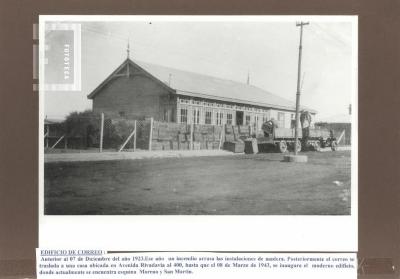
(379, 121)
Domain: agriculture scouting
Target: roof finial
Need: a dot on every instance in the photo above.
(127, 50)
(248, 77)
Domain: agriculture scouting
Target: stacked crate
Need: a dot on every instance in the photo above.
(243, 132)
(207, 136)
(168, 136)
(234, 138)
(143, 134)
(183, 139)
(174, 136)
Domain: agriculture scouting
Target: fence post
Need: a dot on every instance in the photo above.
(101, 132)
(134, 138)
(151, 133)
(191, 136)
(221, 136)
(46, 136)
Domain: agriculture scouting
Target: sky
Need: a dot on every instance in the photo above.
(267, 51)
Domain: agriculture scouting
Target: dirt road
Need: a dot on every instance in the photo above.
(235, 185)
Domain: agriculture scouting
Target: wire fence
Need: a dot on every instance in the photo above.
(88, 131)
(100, 133)
(97, 132)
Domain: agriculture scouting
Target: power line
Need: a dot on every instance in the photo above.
(138, 44)
(332, 37)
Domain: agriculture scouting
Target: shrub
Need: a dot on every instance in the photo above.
(84, 127)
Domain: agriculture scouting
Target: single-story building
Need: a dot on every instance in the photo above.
(141, 90)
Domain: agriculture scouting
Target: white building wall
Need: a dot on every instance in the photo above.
(288, 119)
(286, 114)
(248, 111)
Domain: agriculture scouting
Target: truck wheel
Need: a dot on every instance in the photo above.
(282, 146)
(334, 145)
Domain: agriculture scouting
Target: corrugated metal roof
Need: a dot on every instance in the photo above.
(199, 85)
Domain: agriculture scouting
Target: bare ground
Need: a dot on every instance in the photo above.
(235, 185)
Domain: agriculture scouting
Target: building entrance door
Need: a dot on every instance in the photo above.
(239, 117)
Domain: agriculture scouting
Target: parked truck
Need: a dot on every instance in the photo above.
(309, 138)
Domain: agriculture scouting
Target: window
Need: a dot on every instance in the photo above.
(229, 118)
(196, 115)
(173, 114)
(265, 118)
(183, 115)
(257, 125)
(247, 120)
(166, 114)
(292, 121)
(220, 117)
(208, 119)
(281, 119)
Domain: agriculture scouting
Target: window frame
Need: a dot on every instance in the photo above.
(208, 112)
(229, 118)
(247, 119)
(184, 115)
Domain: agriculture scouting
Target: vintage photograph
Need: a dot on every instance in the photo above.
(198, 117)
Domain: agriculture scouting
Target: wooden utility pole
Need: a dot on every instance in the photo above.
(296, 133)
(151, 133)
(134, 137)
(191, 136)
(101, 132)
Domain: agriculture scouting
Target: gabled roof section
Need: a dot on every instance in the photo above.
(204, 86)
(125, 69)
